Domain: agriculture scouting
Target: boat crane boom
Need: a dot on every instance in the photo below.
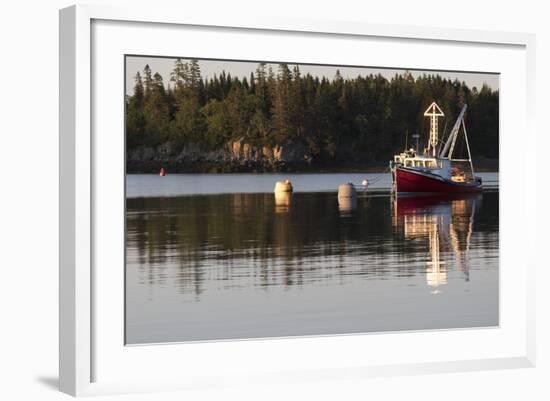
(450, 144)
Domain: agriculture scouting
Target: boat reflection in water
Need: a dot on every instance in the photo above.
(445, 222)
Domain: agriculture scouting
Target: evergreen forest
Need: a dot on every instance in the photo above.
(335, 121)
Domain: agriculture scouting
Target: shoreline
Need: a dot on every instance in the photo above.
(480, 166)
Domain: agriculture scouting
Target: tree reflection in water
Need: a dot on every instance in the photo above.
(263, 241)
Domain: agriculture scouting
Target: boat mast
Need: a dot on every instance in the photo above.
(434, 112)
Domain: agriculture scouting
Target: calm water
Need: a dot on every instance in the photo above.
(149, 185)
(238, 262)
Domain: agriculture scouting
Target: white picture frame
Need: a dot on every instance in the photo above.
(86, 351)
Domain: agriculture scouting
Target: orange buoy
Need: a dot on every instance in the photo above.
(162, 172)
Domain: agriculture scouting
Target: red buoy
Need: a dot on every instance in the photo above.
(162, 172)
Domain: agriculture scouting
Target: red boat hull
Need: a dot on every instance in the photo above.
(408, 180)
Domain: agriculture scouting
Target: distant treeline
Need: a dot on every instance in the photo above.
(367, 118)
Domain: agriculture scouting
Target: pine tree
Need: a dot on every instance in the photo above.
(296, 103)
(262, 89)
(135, 120)
(147, 78)
(281, 114)
(252, 83)
(156, 112)
(194, 74)
(138, 89)
(180, 76)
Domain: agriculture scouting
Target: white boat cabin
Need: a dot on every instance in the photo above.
(428, 164)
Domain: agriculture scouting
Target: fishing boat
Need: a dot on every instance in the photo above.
(435, 170)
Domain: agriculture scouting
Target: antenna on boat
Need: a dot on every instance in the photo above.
(416, 136)
(442, 143)
(434, 112)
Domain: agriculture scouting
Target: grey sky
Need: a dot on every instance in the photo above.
(243, 69)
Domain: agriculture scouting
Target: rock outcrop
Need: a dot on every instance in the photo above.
(234, 156)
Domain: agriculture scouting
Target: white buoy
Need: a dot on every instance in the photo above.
(283, 186)
(347, 198)
(347, 191)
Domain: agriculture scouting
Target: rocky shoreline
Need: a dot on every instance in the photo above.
(237, 156)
